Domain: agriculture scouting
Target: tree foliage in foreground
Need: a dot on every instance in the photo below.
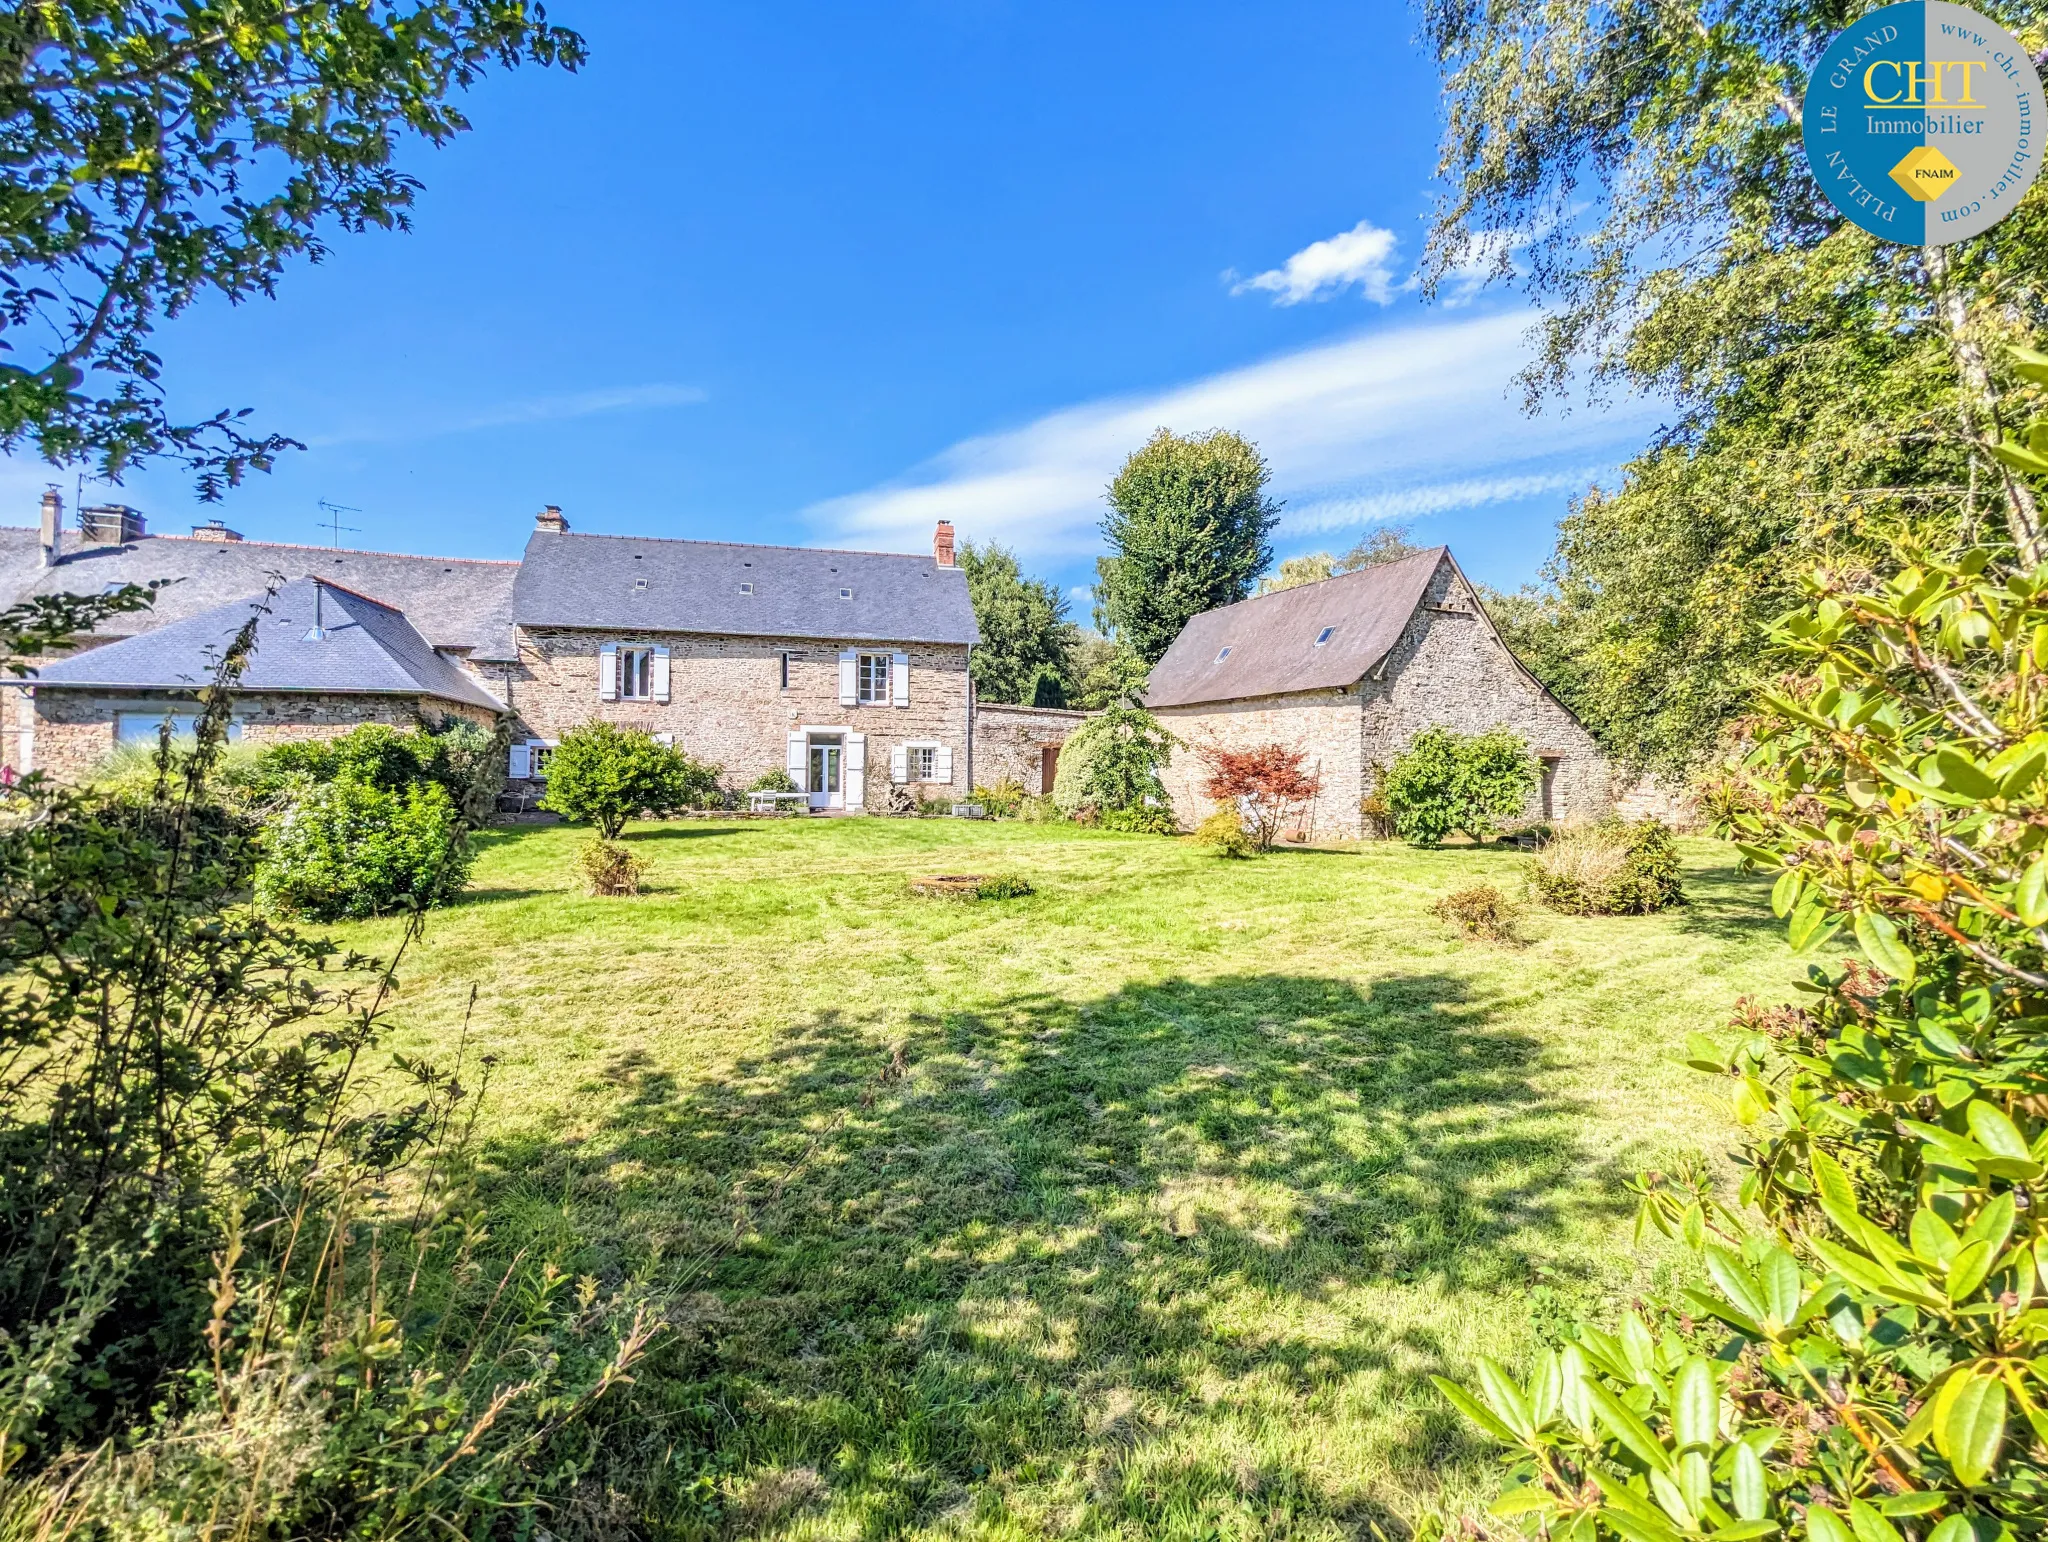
(1830, 393)
(1187, 531)
(1866, 1356)
(153, 154)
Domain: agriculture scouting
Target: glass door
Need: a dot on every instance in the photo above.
(828, 788)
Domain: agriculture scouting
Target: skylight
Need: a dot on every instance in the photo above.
(846, 594)
(1223, 655)
(746, 588)
(1324, 635)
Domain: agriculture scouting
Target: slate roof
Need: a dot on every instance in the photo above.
(368, 648)
(635, 583)
(456, 602)
(1272, 638)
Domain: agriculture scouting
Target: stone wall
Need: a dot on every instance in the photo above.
(1010, 743)
(727, 703)
(1323, 725)
(1451, 668)
(1650, 797)
(74, 729)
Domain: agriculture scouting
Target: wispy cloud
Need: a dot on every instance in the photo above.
(1402, 421)
(1362, 256)
(533, 409)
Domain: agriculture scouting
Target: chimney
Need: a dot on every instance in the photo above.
(215, 530)
(550, 519)
(53, 525)
(942, 544)
(111, 524)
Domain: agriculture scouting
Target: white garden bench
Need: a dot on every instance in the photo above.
(768, 802)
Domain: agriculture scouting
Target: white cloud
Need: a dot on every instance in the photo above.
(1362, 255)
(534, 409)
(1409, 420)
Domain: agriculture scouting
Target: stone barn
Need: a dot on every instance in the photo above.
(1348, 671)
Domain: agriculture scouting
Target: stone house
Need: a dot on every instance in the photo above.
(1348, 671)
(847, 670)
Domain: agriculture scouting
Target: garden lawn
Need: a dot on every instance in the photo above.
(1142, 1206)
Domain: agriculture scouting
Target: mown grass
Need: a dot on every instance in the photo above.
(1140, 1206)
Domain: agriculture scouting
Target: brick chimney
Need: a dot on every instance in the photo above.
(215, 530)
(942, 544)
(53, 524)
(550, 519)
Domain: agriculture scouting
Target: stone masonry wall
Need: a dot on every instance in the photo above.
(1323, 725)
(727, 703)
(1010, 742)
(1450, 668)
(74, 730)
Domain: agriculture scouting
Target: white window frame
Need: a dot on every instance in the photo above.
(636, 673)
(537, 752)
(872, 685)
(924, 762)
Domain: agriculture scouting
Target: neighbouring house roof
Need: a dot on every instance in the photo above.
(362, 647)
(456, 603)
(1272, 639)
(623, 583)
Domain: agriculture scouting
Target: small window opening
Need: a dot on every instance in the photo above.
(785, 671)
(1324, 635)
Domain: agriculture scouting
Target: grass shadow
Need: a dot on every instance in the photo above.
(1726, 903)
(1105, 1249)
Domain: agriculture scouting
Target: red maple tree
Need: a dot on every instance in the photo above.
(1263, 783)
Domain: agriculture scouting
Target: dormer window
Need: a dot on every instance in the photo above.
(1223, 655)
(1325, 635)
(746, 588)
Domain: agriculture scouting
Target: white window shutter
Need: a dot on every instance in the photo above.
(899, 763)
(608, 672)
(794, 765)
(28, 751)
(522, 763)
(666, 741)
(856, 770)
(660, 674)
(849, 685)
(942, 763)
(899, 678)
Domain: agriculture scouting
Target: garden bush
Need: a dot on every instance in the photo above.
(1863, 1353)
(777, 780)
(1143, 819)
(605, 774)
(1481, 911)
(1612, 868)
(465, 760)
(1223, 832)
(1002, 800)
(609, 868)
(1112, 761)
(350, 849)
(1446, 782)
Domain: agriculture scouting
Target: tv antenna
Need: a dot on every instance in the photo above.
(333, 522)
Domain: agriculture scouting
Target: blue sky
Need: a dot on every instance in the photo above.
(821, 274)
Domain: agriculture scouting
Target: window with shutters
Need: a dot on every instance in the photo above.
(874, 678)
(924, 762)
(538, 752)
(636, 674)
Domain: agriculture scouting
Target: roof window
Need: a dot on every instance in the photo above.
(1324, 635)
(746, 588)
(1223, 655)
(846, 594)
(639, 583)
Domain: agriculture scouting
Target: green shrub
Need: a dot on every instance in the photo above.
(1447, 781)
(1003, 886)
(1860, 1356)
(1112, 761)
(1224, 833)
(350, 849)
(1002, 800)
(1481, 911)
(1609, 869)
(606, 775)
(1145, 819)
(1038, 809)
(772, 781)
